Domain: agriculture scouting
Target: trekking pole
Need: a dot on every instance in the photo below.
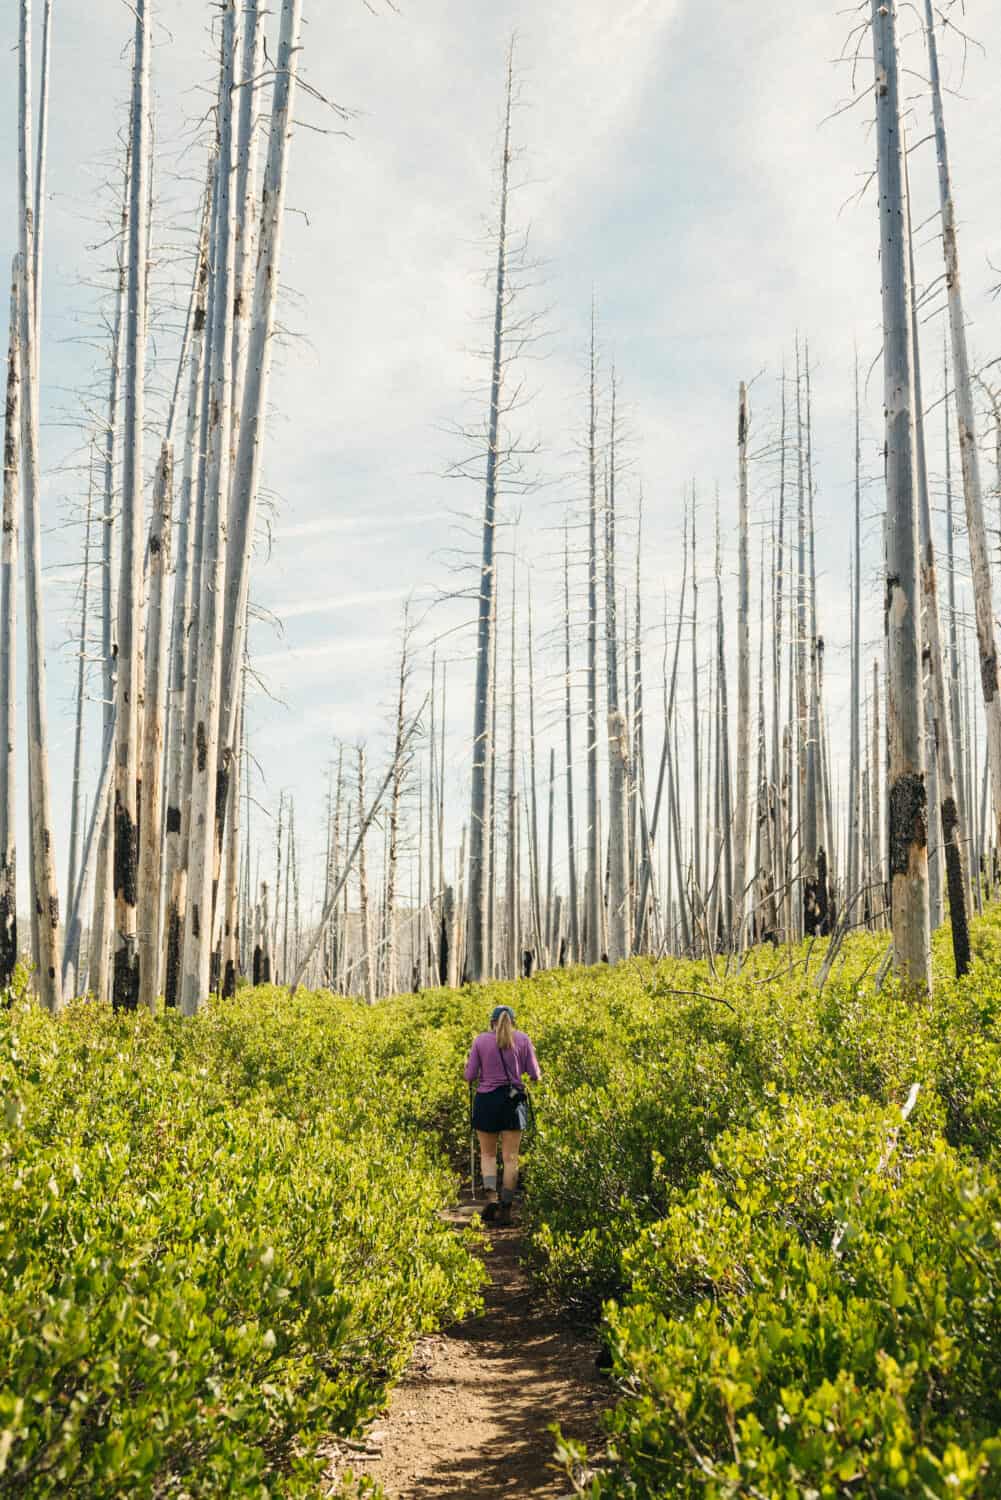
(472, 1147)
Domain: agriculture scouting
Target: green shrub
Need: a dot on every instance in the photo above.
(760, 1360)
(214, 1248)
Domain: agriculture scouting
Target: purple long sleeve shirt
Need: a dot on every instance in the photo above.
(486, 1063)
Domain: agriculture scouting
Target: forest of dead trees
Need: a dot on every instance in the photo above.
(605, 812)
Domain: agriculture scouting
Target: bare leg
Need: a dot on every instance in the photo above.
(511, 1147)
(488, 1162)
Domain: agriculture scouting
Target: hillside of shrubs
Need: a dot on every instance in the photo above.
(220, 1238)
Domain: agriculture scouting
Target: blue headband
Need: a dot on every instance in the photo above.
(500, 1010)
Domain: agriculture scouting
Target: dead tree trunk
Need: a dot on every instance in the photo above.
(99, 956)
(696, 710)
(619, 925)
(483, 749)
(905, 718)
(152, 736)
(535, 852)
(205, 760)
(592, 897)
(853, 879)
(395, 798)
(363, 903)
(573, 897)
(511, 869)
(76, 829)
(49, 976)
(983, 596)
(742, 810)
(8, 644)
(782, 875)
(174, 873)
(942, 761)
(125, 988)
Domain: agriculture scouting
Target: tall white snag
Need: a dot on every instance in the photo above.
(173, 874)
(908, 834)
(75, 795)
(742, 809)
(8, 644)
(202, 873)
(854, 863)
(152, 733)
(104, 885)
(619, 923)
(477, 958)
(256, 376)
(49, 976)
(573, 897)
(125, 985)
(983, 598)
(593, 884)
(941, 769)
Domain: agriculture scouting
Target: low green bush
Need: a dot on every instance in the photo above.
(794, 1309)
(219, 1240)
(813, 1319)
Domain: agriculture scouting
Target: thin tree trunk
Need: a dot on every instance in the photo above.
(363, 904)
(619, 925)
(639, 838)
(574, 897)
(206, 799)
(41, 162)
(782, 873)
(725, 819)
(75, 823)
(942, 795)
(592, 896)
(152, 736)
(88, 863)
(483, 749)
(905, 718)
(742, 818)
(99, 956)
(875, 783)
(396, 793)
(251, 417)
(696, 710)
(511, 882)
(534, 851)
(955, 689)
(174, 873)
(492, 839)
(266, 959)
(49, 978)
(854, 881)
(983, 596)
(125, 989)
(552, 936)
(764, 871)
(8, 643)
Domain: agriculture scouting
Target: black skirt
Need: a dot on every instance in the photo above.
(497, 1111)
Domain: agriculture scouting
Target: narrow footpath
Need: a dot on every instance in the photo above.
(472, 1415)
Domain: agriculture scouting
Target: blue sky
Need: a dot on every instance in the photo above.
(676, 161)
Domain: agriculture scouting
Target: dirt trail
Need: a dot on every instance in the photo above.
(471, 1416)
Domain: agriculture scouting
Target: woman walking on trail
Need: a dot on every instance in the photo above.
(498, 1061)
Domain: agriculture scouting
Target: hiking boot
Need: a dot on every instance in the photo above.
(503, 1213)
(490, 1211)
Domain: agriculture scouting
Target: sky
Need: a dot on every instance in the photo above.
(700, 178)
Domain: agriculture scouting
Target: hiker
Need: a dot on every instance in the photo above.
(498, 1061)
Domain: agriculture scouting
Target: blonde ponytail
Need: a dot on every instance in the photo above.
(505, 1031)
